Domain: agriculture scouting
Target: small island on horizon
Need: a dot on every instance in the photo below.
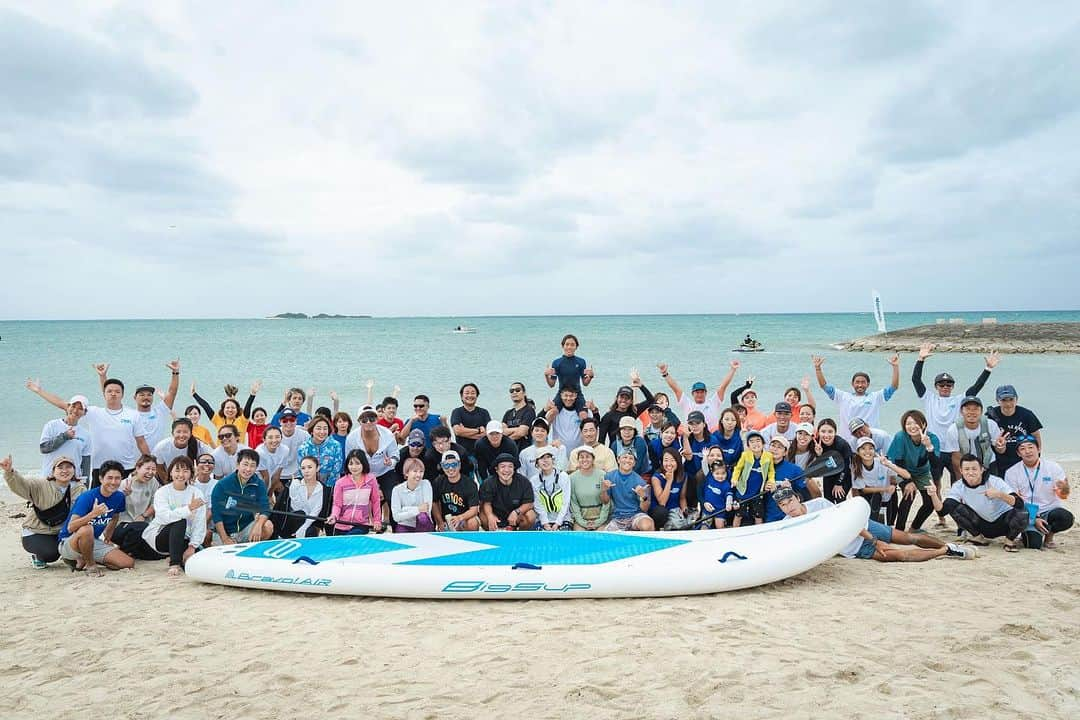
(320, 316)
(1035, 338)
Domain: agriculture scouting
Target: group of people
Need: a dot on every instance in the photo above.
(122, 483)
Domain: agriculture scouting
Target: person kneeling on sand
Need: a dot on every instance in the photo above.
(629, 494)
(86, 537)
(50, 501)
(1042, 483)
(506, 498)
(876, 541)
(983, 507)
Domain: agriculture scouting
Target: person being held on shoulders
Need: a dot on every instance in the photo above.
(66, 437)
(984, 506)
(86, 536)
(699, 399)
(456, 500)
(551, 492)
(629, 495)
(1044, 484)
(491, 446)
(752, 477)
(239, 506)
(603, 457)
(506, 498)
(973, 433)
(178, 527)
(529, 455)
(861, 402)
(570, 371)
(411, 501)
(1015, 422)
(50, 499)
(519, 418)
(876, 541)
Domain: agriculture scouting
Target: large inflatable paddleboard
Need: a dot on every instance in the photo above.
(537, 564)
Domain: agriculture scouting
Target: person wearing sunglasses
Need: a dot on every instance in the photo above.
(518, 419)
(456, 501)
(229, 446)
(379, 446)
(423, 419)
(204, 481)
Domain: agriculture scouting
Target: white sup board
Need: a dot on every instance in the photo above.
(503, 565)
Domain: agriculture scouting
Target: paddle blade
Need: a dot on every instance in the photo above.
(829, 464)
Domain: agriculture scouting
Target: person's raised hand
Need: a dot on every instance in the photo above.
(662, 367)
(255, 387)
(311, 392)
(894, 360)
(549, 406)
(334, 395)
(102, 369)
(750, 379)
(173, 365)
(805, 384)
(818, 361)
(635, 377)
(735, 365)
(33, 385)
(992, 359)
(927, 442)
(591, 405)
(5, 464)
(369, 384)
(926, 350)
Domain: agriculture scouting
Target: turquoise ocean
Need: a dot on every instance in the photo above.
(422, 355)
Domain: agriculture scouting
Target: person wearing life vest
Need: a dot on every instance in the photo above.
(973, 434)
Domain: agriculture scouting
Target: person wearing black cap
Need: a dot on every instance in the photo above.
(528, 456)
(506, 498)
(975, 434)
(624, 406)
(1015, 422)
(1044, 485)
(156, 417)
(782, 425)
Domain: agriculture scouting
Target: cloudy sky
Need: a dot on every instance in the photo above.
(206, 159)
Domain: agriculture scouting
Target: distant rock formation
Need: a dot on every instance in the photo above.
(320, 316)
(1004, 337)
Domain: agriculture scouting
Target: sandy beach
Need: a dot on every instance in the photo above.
(995, 637)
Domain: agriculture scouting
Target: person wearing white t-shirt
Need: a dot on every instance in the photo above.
(942, 407)
(564, 421)
(983, 506)
(204, 481)
(699, 398)
(1042, 483)
(155, 417)
(292, 437)
(65, 437)
(226, 451)
(782, 426)
(861, 403)
(539, 433)
(180, 444)
(873, 477)
(114, 429)
(274, 456)
(858, 429)
(975, 434)
(876, 541)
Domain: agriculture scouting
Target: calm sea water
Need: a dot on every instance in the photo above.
(422, 355)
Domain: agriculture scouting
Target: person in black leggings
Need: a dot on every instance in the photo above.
(914, 451)
(50, 500)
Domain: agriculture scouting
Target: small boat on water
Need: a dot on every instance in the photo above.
(463, 330)
(749, 345)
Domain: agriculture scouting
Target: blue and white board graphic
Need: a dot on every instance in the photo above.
(537, 564)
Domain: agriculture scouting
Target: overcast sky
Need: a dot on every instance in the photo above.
(207, 159)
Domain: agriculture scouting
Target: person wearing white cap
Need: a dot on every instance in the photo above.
(628, 438)
(50, 498)
(455, 500)
(587, 510)
(873, 476)
(65, 437)
(380, 447)
(551, 492)
(489, 447)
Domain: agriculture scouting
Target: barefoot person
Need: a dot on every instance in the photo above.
(876, 541)
(50, 502)
(179, 525)
(86, 536)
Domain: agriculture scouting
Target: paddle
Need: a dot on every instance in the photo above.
(831, 463)
(256, 509)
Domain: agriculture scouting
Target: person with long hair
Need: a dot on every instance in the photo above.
(182, 443)
(873, 478)
(179, 525)
(914, 452)
(668, 500)
(728, 436)
(194, 414)
(357, 506)
(307, 496)
(837, 485)
(623, 406)
(230, 412)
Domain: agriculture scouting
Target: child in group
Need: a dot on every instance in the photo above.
(570, 371)
(410, 501)
(717, 496)
(753, 476)
(357, 507)
(871, 478)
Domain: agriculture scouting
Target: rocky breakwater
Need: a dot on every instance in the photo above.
(1004, 337)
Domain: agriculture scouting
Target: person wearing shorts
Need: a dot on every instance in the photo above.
(629, 494)
(86, 535)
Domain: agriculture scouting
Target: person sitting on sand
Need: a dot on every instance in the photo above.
(1042, 483)
(587, 510)
(86, 536)
(860, 403)
(239, 506)
(50, 501)
(530, 454)
(551, 492)
(506, 498)
(455, 500)
(357, 507)
(179, 524)
(876, 541)
(669, 504)
(410, 501)
(138, 490)
(629, 495)
(983, 506)
(307, 496)
(603, 457)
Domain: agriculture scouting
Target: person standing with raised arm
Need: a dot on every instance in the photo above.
(861, 403)
(156, 417)
(942, 407)
(65, 437)
(699, 398)
(230, 412)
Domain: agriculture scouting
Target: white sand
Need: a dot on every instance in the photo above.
(995, 637)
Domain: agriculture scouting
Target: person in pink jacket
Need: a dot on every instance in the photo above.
(356, 499)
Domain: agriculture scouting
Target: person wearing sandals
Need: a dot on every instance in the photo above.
(86, 536)
(1042, 483)
(50, 500)
(983, 506)
(179, 525)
